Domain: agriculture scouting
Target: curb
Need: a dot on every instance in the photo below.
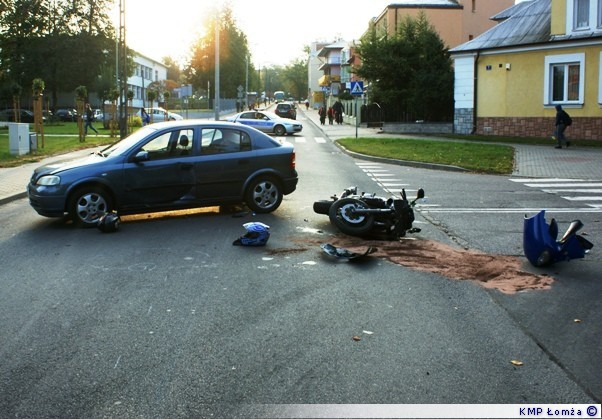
(409, 163)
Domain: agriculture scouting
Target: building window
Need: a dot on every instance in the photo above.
(474, 6)
(565, 82)
(600, 81)
(564, 79)
(599, 14)
(581, 14)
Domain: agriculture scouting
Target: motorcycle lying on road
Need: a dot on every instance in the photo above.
(362, 214)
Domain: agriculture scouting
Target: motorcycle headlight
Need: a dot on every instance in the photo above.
(50, 180)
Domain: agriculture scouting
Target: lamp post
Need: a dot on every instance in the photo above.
(216, 106)
(123, 109)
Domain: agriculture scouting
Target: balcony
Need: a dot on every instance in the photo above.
(327, 79)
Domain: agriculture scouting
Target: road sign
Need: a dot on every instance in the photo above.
(357, 88)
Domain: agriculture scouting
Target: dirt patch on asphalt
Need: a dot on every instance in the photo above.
(503, 273)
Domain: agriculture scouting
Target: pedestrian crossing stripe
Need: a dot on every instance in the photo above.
(575, 190)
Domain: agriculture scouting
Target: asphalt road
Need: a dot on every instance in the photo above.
(166, 318)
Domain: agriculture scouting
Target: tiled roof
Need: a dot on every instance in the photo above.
(505, 14)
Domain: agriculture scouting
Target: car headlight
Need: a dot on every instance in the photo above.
(50, 180)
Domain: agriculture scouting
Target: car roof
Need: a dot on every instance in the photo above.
(196, 122)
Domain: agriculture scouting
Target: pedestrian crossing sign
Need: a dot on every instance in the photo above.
(357, 88)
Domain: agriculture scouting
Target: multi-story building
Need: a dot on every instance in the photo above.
(147, 72)
(456, 21)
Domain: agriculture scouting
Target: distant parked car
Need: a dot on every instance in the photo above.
(267, 122)
(286, 110)
(169, 166)
(161, 115)
(97, 115)
(26, 116)
(66, 115)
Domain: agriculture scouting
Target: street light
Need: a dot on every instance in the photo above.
(122, 64)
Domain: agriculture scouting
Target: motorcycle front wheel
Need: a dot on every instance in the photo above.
(343, 215)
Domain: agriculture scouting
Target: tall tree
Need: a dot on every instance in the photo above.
(233, 56)
(410, 72)
(42, 37)
(295, 78)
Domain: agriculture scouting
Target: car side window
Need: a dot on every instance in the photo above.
(183, 146)
(170, 144)
(158, 148)
(219, 141)
(248, 115)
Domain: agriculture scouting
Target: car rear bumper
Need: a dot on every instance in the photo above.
(290, 185)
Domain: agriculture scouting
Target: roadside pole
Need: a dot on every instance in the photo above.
(357, 89)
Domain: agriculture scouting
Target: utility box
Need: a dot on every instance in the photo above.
(33, 141)
(18, 138)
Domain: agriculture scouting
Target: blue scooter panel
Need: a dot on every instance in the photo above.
(541, 247)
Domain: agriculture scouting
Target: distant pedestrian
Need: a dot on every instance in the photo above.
(144, 116)
(89, 119)
(338, 111)
(306, 104)
(322, 113)
(330, 115)
(563, 120)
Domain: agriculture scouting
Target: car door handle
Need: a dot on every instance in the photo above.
(186, 166)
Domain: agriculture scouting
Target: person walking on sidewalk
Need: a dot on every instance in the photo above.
(89, 118)
(322, 113)
(563, 120)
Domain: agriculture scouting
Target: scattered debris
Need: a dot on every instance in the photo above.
(504, 273)
(342, 253)
(356, 338)
(517, 363)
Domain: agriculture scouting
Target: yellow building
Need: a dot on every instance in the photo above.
(543, 53)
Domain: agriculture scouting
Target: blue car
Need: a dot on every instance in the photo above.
(268, 122)
(169, 166)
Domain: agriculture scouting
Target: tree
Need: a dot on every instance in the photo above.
(233, 57)
(40, 39)
(173, 69)
(410, 73)
(295, 78)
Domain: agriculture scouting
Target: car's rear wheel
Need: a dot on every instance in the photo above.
(88, 204)
(279, 130)
(264, 194)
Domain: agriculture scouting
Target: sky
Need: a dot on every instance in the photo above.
(277, 30)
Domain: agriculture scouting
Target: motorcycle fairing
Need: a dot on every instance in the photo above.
(540, 245)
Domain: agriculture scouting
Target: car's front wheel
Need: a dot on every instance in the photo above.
(88, 204)
(279, 130)
(264, 194)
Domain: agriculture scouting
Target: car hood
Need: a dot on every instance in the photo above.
(59, 167)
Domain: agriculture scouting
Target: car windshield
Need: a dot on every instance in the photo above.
(122, 146)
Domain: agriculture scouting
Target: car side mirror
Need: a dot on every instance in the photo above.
(141, 156)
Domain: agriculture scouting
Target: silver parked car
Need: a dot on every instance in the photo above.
(169, 166)
(267, 122)
(161, 115)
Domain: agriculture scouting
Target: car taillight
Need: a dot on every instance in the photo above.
(293, 160)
